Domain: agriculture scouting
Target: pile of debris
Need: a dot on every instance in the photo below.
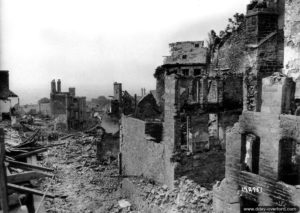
(186, 197)
(22, 147)
(89, 185)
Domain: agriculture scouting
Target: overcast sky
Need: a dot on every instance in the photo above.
(89, 44)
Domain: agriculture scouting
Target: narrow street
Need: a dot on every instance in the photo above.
(87, 185)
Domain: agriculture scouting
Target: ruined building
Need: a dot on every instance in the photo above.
(68, 110)
(263, 149)
(122, 102)
(205, 100)
(196, 109)
(143, 106)
(9, 101)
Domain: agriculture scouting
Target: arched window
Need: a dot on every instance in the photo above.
(250, 153)
(289, 161)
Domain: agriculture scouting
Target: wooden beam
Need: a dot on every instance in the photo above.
(57, 144)
(24, 189)
(29, 140)
(25, 155)
(65, 137)
(27, 167)
(27, 176)
(3, 183)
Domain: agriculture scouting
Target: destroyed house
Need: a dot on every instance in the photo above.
(68, 110)
(196, 109)
(262, 150)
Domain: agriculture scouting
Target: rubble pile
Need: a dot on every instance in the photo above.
(88, 185)
(186, 197)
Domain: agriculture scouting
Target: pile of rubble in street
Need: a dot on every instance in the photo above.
(79, 182)
(186, 197)
(88, 185)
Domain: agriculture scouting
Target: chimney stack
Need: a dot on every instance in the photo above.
(58, 85)
(53, 86)
(118, 91)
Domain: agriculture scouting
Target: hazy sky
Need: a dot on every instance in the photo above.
(89, 44)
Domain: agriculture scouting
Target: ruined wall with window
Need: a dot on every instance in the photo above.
(262, 151)
(188, 52)
(142, 153)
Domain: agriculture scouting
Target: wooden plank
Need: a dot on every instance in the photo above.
(27, 154)
(27, 167)
(3, 183)
(24, 189)
(27, 176)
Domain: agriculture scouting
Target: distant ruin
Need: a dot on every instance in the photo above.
(68, 110)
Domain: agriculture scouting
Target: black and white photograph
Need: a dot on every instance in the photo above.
(149, 106)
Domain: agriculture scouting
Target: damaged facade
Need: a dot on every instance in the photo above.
(68, 110)
(262, 150)
(195, 107)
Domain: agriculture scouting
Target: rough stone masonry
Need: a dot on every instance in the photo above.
(262, 150)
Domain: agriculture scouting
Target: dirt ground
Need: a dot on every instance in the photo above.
(88, 185)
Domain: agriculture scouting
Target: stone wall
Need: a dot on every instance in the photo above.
(143, 153)
(291, 38)
(277, 94)
(270, 129)
(140, 156)
(229, 56)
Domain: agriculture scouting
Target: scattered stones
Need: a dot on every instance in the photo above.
(89, 185)
(186, 197)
